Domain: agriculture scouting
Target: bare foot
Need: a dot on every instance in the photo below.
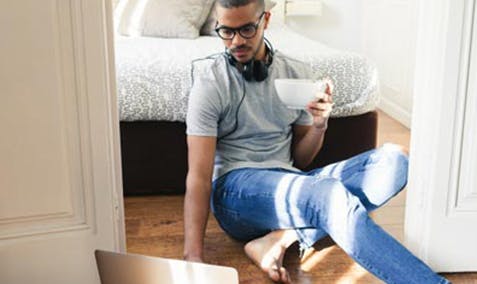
(267, 253)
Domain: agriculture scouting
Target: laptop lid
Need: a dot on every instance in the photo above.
(119, 268)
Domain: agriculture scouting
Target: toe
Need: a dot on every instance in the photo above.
(274, 274)
(284, 277)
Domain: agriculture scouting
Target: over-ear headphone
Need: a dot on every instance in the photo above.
(254, 69)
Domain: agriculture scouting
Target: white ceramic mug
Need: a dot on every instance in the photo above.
(297, 93)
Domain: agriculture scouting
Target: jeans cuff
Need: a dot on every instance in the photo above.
(444, 281)
(303, 241)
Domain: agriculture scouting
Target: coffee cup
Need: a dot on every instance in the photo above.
(297, 93)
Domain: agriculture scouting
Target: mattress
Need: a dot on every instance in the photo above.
(154, 74)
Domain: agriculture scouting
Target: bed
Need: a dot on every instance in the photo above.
(154, 79)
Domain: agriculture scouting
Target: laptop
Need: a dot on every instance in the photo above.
(119, 268)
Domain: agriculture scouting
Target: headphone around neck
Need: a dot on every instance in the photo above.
(254, 70)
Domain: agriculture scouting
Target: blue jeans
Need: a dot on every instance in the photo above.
(334, 200)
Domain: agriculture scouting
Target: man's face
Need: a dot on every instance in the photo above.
(242, 48)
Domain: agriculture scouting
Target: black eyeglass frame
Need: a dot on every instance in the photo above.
(235, 30)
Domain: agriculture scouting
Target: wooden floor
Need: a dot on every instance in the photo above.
(154, 227)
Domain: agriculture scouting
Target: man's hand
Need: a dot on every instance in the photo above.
(321, 107)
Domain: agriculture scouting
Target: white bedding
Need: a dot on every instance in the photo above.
(153, 74)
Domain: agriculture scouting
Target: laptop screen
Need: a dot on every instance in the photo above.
(118, 268)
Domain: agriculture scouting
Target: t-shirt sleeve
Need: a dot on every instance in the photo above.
(203, 111)
(305, 118)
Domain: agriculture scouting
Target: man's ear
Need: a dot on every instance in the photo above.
(267, 19)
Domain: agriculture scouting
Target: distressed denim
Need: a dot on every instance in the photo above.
(333, 200)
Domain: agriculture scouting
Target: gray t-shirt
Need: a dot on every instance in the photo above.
(259, 134)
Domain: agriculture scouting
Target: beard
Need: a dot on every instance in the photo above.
(245, 53)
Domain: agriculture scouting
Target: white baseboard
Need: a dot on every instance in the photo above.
(395, 111)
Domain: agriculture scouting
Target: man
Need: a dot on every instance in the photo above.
(244, 150)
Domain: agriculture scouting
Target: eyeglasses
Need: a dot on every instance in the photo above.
(247, 31)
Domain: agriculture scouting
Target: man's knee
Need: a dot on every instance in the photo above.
(396, 150)
(396, 160)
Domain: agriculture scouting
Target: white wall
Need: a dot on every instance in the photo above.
(383, 30)
(389, 36)
(340, 24)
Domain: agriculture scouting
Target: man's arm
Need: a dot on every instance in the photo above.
(308, 140)
(197, 197)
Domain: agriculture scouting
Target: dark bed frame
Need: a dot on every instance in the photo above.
(154, 153)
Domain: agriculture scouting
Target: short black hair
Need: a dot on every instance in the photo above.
(239, 3)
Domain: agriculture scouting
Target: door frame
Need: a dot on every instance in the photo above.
(111, 101)
(441, 88)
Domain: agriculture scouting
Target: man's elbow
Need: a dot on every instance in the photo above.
(301, 164)
(194, 181)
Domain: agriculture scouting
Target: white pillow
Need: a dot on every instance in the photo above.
(161, 18)
(209, 26)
